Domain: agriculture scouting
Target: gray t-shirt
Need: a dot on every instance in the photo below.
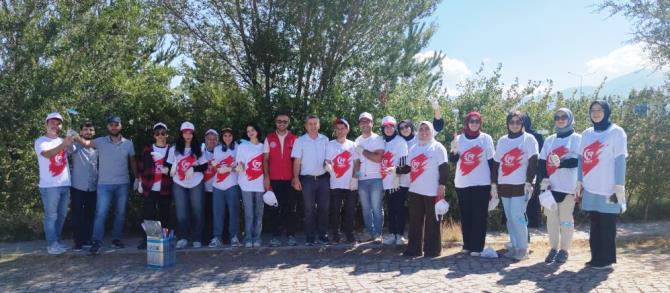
(84, 167)
(113, 160)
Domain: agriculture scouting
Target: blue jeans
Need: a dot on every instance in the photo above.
(370, 193)
(223, 200)
(55, 201)
(106, 193)
(517, 224)
(253, 215)
(189, 203)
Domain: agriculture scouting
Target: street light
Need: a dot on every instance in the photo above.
(581, 80)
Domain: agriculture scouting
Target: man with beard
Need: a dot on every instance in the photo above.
(84, 167)
(115, 154)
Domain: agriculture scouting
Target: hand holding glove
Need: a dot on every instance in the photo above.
(494, 191)
(578, 191)
(528, 190)
(189, 173)
(620, 192)
(239, 168)
(544, 185)
(453, 147)
(328, 167)
(554, 160)
(173, 170)
(165, 170)
(435, 104)
(223, 169)
(353, 184)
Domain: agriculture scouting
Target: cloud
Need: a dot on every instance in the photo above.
(619, 62)
(454, 70)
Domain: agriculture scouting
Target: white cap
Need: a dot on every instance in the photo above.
(389, 120)
(159, 124)
(187, 126)
(212, 131)
(365, 115)
(53, 115)
(270, 199)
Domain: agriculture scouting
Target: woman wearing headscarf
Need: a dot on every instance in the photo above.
(516, 153)
(472, 153)
(558, 170)
(429, 172)
(533, 210)
(395, 154)
(601, 182)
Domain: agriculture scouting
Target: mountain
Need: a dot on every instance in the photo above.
(622, 85)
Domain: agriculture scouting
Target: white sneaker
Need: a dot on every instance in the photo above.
(197, 244)
(257, 243)
(63, 245)
(521, 254)
(400, 240)
(234, 242)
(215, 243)
(389, 239)
(55, 249)
(182, 243)
(248, 244)
(474, 253)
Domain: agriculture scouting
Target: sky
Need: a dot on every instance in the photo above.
(535, 40)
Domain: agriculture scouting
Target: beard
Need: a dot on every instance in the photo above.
(115, 133)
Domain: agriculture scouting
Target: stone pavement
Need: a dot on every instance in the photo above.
(643, 267)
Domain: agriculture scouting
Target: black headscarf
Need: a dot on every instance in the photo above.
(411, 127)
(528, 127)
(605, 123)
(511, 115)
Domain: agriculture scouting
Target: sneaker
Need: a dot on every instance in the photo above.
(55, 249)
(474, 253)
(400, 240)
(117, 244)
(551, 256)
(234, 242)
(257, 243)
(511, 253)
(274, 242)
(197, 244)
(309, 243)
(291, 241)
(601, 267)
(508, 245)
(465, 251)
(78, 247)
(63, 245)
(390, 239)
(87, 244)
(248, 244)
(562, 256)
(378, 239)
(142, 245)
(95, 248)
(521, 254)
(182, 243)
(215, 243)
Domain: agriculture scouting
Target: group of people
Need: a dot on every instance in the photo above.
(407, 165)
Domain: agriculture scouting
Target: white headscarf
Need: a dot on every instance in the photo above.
(432, 132)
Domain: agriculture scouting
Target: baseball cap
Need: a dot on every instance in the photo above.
(187, 126)
(113, 119)
(342, 121)
(160, 124)
(389, 120)
(53, 115)
(212, 131)
(365, 115)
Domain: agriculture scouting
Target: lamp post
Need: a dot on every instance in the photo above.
(581, 80)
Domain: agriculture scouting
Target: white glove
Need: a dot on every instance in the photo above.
(494, 191)
(328, 167)
(391, 170)
(396, 182)
(441, 208)
(140, 190)
(239, 168)
(554, 160)
(189, 173)
(136, 184)
(173, 170)
(165, 170)
(578, 191)
(493, 203)
(72, 133)
(359, 150)
(620, 192)
(353, 184)
(453, 147)
(544, 185)
(528, 190)
(223, 169)
(435, 104)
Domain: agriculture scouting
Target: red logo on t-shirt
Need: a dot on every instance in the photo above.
(418, 164)
(590, 156)
(183, 165)
(341, 163)
(254, 168)
(470, 159)
(211, 170)
(158, 166)
(227, 161)
(560, 152)
(511, 161)
(57, 163)
(387, 162)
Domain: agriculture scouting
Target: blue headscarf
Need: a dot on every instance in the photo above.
(571, 122)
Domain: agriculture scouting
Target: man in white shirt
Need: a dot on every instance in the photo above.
(367, 169)
(310, 176)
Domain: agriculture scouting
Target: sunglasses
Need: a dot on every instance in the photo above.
(474, 121)
(560, 117)
(161, 133)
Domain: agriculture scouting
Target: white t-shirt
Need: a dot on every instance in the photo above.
(226, 180)
(251, 155)
(312, 154)
(598, 151)
(404, 178)
(370, 169)
(342, 156)
(393, 151)
(54, 172)
(513, 156)
(158, 165)
(472, 168)
(184, 162)
(562, 179)
(211, 171)
(425, 161)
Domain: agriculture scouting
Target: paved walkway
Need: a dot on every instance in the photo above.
(641, 267)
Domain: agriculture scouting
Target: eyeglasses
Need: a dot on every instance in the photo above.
(162, 133)
(515, 122)
(560, 117)
(474, 121)
(281, 121)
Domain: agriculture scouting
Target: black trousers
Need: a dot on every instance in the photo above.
(157, 207)
(82, 205)
(533, 210)
(425, 237)
(207, 227)
(342, 206)
(316, 196)
(283, 218)
(602, 238)
(473, 203)
(396, 207)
